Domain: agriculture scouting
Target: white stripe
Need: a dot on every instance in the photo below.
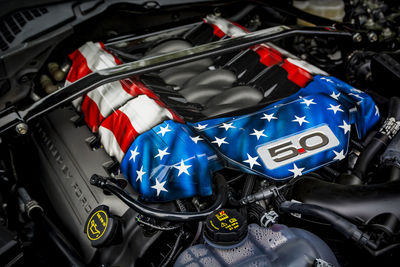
(110, 144)
(96, 57)
(226, 26)
(306, 66)
(144, 113)
(109, 97)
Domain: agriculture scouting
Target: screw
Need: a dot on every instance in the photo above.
(21, 128)
(357, 37)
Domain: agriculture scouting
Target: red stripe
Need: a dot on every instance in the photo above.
(240, 26)
(79, 67)
(134, 88)
(268, 56)
(217, 31)
(120, 125)
(92, 114)
(296, 74)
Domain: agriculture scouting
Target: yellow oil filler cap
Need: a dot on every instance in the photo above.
(102, 228)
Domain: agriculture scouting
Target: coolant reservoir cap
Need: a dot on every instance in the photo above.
(101, 227)
(225, 227)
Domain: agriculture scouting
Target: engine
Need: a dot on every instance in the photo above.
(227, 140)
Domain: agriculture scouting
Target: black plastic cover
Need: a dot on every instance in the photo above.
(225, 227)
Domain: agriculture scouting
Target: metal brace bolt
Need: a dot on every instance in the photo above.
(21, 128)
(357, 37)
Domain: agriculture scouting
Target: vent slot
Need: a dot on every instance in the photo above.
(12, 25)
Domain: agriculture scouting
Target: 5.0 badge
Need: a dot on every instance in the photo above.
(292, 148)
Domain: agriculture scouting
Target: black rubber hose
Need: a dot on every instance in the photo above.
(247, 190)
(343, 226)
(377, 144)
(380, 140)
(353, 202)
(35, 212)
(391, 156)
(162, 215)
(394, 108)
(394, 174)
(246, 10)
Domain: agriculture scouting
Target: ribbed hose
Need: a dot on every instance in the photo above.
(162, 215)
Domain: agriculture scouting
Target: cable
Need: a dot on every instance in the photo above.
(162, 215)
(247, 189)
(157, 227)
(199, 230)
(178, 239)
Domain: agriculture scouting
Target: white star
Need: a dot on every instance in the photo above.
(296, 171)
(376, 110)
(164, 130)
(227, 126)
(140, 174)
(162, 153)
(269, 117)
(335, 108)
(196, 139)
(258, 134)
(134, 153)
(220, 141)
(251, 161)
(358, 96)
(183, 168)
(308, 102)
(300, 120)
(345, 127)
(159, 187)
(327, 79)
(339, 155)
(333, 95)
(356, 90)
(200, 127)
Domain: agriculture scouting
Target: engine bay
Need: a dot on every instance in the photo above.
(219, 133)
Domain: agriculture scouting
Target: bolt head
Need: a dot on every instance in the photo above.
(21, 128)
(357, 37)
(372, 37)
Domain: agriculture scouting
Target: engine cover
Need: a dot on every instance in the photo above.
(286, 139)
(141, 120)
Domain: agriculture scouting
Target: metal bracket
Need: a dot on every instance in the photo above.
(95, 79)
